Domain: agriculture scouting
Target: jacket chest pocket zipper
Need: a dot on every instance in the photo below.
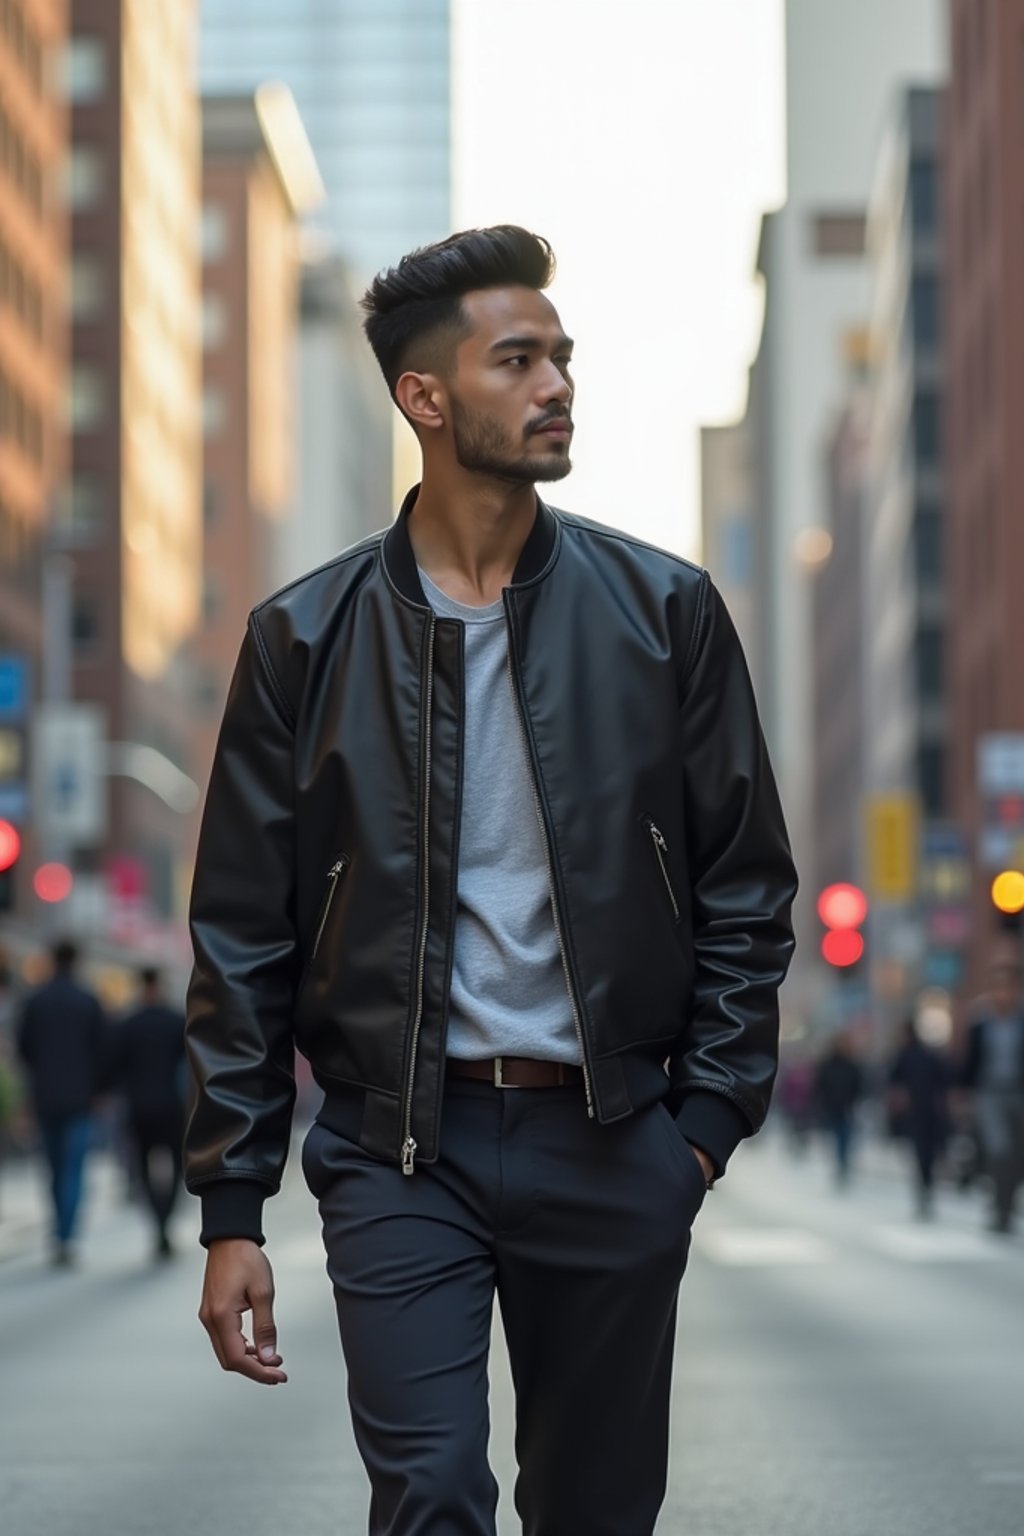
(661, 850)
(334, 875)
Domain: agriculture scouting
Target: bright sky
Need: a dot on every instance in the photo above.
(643, 138)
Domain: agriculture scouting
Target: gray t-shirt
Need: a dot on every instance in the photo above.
(508, 993)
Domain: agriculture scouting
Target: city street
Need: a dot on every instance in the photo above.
(841, 1370)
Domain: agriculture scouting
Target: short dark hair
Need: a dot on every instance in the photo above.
(64, 954)
(420, 300)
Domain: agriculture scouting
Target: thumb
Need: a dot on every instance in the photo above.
(264, 1332)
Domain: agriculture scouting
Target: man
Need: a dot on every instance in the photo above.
(62, 1042)
(492, 835)
(838, 1088)
(149, 1063)
(994, 1072)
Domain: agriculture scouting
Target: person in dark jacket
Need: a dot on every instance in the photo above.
(493, 837)
(62, 1041)
(148, 1070)
(838, 1087)
(920, 1079)
(993, 1072)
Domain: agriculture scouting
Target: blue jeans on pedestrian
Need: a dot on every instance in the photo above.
(66, 1139)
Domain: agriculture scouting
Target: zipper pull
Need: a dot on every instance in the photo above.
(408, 1154)
(336, 869)
(658, 837)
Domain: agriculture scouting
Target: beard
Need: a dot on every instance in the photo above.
(485, 447)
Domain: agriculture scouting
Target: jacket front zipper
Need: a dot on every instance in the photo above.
(546, 843)
(661, 849)
(408, 1142)
(334, 875)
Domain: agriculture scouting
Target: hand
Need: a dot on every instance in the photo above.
(239, 1279)
(706, 1164)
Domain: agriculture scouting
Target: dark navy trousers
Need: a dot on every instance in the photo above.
(582, 1232)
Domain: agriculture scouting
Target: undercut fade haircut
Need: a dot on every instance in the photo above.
(414, 314)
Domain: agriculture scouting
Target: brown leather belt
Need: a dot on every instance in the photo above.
(517, 1072)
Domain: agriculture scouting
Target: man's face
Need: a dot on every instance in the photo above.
(510, 392)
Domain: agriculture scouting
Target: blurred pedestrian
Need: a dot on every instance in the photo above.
(993, 1071)
(795, 1096)
(920, 1078)
(62, 1041)
(492, 834)
(838, 1089)
(148, 1066)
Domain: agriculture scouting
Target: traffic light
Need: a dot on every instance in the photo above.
(842, 909)
(10, 849)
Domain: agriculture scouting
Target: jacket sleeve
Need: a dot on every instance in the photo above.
(239, 1012)
(742, 884)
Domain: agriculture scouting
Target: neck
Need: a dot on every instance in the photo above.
(468, 530)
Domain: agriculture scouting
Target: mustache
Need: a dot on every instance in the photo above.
(541, 422)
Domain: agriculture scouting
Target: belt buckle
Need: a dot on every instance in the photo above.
(499, 1081)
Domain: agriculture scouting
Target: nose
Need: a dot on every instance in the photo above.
(554, 386)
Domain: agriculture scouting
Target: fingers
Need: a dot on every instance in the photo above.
(239, 1280)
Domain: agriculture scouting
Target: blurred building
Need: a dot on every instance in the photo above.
(729, 526)
(259, 178)
(131, 526)
(33, 363)
(839, 641)
(372, 79)
(985, 356)
(344, 431)
(843, 65)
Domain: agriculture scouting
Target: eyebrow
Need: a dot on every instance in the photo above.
(530, 344)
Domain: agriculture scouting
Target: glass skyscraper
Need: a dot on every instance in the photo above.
(372, 80)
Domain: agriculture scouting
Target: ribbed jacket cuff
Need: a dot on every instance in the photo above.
(232, 1208)
(715, 1125)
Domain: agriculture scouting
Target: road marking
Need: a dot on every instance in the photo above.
(762, 1245)
(930, 1245)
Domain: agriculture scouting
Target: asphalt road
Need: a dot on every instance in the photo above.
(841, 1371)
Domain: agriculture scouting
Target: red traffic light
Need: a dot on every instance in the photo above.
(53, 882)
(842, 907)
(10, 845)
(842, 946)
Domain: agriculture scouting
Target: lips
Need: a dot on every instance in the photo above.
(556, 429)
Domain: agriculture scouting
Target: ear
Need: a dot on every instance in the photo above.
(419, 396)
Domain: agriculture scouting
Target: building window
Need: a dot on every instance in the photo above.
(215, 410)
(839, 234)
(85, 620)
(215, 321)
(927, 429)
(212, 601)
(85, 504)
(213, 232)
(85, 177)
(928, 664)
(924, 195)
(212, 503)
(87, 287)
(931, 772)
(85, 69)
(928, 562)
(87, 399)
(925, 303)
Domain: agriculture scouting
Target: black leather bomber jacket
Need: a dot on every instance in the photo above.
(323, 907)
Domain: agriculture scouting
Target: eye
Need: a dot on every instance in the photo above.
(521, 360)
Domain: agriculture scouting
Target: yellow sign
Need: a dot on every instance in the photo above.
(892, 823)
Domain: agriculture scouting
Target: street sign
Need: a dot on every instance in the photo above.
(14, 688)
(892, 847)
(1000, 775)
(69, 748)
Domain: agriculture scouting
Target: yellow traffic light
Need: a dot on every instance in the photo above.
(1008, 891)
